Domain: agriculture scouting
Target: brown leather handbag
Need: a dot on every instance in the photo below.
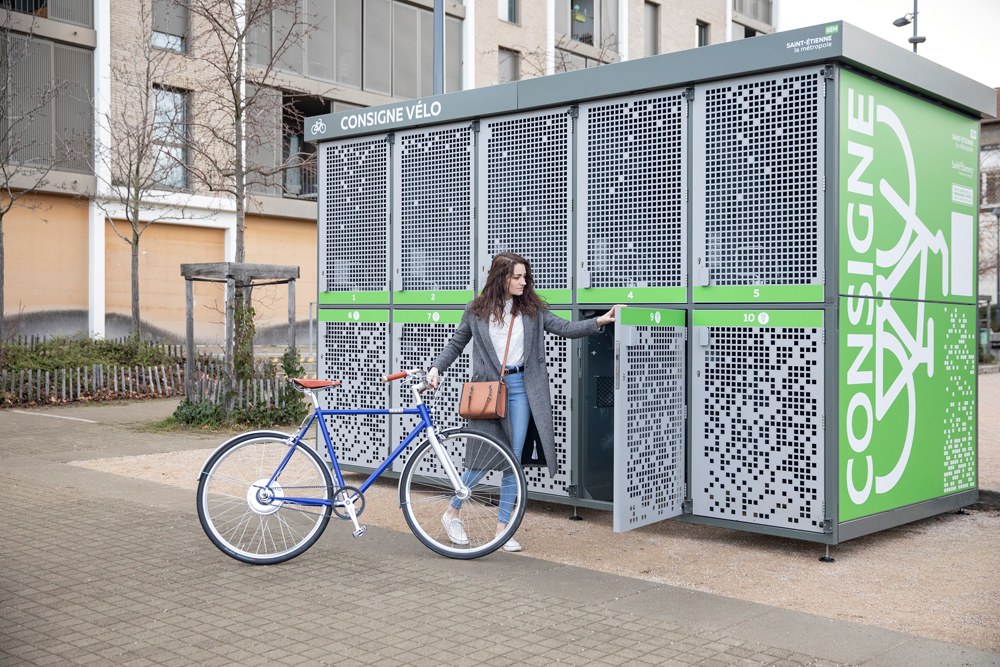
(487, 400)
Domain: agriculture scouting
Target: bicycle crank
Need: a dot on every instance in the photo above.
(349, 503)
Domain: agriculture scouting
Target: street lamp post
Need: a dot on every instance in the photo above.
(906, 19)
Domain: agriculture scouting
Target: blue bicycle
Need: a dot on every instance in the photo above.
(265, 497)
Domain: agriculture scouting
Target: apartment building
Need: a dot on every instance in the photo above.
(67, 267)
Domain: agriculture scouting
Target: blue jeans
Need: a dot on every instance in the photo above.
(520, 414)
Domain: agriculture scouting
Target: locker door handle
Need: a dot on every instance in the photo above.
(703, 337)
(618, 363)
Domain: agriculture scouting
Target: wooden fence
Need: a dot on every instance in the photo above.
(210, 385)
(90, 383)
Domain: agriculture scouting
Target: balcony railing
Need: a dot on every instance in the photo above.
(300, 182)
(755, 9)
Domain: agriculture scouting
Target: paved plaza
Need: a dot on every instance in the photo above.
(99, 569)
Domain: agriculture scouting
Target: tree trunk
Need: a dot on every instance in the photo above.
(136, 331)
(3, 319)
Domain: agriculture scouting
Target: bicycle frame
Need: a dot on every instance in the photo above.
(421, 411)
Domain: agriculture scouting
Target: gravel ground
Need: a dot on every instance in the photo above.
(936, 578)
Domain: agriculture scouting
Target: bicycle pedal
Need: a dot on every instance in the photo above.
(360, 531)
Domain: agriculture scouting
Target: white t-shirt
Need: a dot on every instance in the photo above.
(498, 334)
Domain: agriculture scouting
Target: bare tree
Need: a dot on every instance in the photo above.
(141, 168)
(28, 154)
(240, 115)
(989, 222)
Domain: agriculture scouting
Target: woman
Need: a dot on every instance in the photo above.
(509, 300)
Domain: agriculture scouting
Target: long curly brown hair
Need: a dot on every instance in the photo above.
(490, 301)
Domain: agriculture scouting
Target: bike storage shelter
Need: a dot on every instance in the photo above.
(792, 220)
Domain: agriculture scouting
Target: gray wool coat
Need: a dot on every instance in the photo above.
(486, 368)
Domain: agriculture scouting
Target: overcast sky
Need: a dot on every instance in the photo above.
(962, 35)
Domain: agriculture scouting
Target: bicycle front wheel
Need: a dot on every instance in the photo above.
(247, 519)
(498, 491)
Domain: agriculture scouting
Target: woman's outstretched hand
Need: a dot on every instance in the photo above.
(609, 316)
(433, 377)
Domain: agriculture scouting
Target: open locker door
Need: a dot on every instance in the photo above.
(649, 416)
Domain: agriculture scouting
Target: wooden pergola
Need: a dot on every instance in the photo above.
(235, 276)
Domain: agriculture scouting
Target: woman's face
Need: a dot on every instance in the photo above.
(517, 281)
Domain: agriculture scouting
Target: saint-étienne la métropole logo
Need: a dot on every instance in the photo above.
(910, 347)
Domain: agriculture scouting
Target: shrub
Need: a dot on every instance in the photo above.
(79, 351)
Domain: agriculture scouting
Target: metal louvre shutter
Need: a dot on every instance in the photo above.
(416, 345)
(609, 26)
(321, 41)
(356, 354)
(79, 12)
(758, 209)
(756, 425)
(452, 54)
(355, 215)
(284, 22)
(631, 191)
(649, 425)
(426, 41)
(263, 131)
(524, 193)
(30, 111)
(348, 31)
(406, 60)
(378, 46)
(433, 182)
(74, 114)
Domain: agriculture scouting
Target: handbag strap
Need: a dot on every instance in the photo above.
(503, 366)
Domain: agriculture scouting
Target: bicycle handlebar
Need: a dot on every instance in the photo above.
(395, 376)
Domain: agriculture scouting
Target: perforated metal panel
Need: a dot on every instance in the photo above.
(357, 354)
(649, 425)
(525, 195)
(758, 180)
(416, 345)
(354, 215)
(558, 363)
(632, 179)
(433, 204)
(757, 432)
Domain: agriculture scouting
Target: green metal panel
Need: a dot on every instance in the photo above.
(433, 298)
(652, 317)
(757, 318)
(758, 294)
(908, 193)
(632, 295)
(347, 315)
(353, 298)
(427, 316)
(907, 403)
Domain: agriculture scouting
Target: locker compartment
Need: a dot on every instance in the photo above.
(433, 179)
(597, 450)
(631, 192)
(354, 348)
(649, 389)
(525, 196)
(757, 447)
(353, 207)
(418, 337)
(759, 188)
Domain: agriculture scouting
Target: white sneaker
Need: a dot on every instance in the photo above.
(455, 530)
(512, 545)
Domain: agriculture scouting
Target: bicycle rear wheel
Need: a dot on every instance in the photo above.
(425, 493)
(240, 515)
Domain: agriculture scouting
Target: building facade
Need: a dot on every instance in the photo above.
(67, 268)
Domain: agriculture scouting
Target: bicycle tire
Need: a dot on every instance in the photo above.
(225, 487)
(425, 494)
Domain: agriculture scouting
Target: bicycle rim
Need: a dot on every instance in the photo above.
(426, 494)
(252, 528)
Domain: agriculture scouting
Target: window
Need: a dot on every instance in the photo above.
(701, 33)
(651, 28)
(509, 68)
(170, 21)
(170, 123)
(300, 179)
(77, 12)
(507, 10)
(593, 22)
